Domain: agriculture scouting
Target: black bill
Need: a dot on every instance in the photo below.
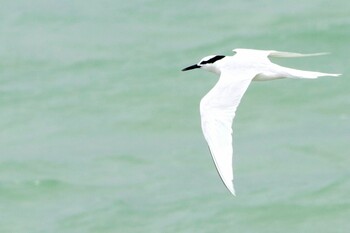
(191, 67)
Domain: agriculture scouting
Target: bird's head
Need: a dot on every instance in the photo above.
(207, 63)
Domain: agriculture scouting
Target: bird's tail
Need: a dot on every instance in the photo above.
(294, 73)
(284, 72)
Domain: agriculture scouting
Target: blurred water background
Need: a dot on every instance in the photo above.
(100, 132)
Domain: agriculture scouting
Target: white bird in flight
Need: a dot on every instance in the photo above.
(218, 106)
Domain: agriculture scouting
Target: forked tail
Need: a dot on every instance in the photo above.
(294, 73)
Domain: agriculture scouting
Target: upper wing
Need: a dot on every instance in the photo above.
(273, 53)
(218, 109)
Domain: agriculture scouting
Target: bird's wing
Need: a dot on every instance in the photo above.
(273, 53)
(218, 109)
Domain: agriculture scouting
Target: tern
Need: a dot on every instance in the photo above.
(218, 106)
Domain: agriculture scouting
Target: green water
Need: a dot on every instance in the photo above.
(100, 130)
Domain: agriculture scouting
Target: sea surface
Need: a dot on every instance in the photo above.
(100, 130)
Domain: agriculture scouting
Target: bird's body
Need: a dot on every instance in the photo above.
(218, 106)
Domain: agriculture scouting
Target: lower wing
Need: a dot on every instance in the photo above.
(218, 109)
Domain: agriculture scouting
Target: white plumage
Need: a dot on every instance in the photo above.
(218, 107)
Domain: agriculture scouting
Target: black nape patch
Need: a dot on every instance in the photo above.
(212, 60)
